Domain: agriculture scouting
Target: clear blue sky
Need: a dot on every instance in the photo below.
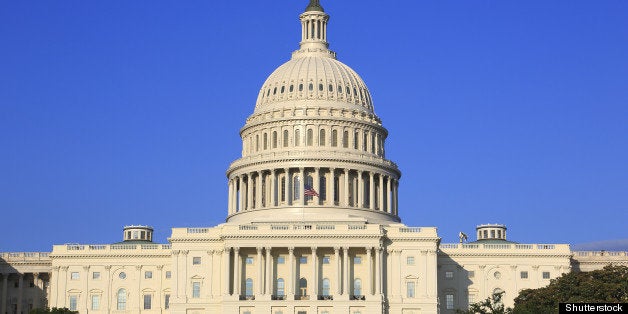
(127, 112)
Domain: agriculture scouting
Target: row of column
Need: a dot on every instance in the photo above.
(264, 189)
(264, 284)
(37, 283)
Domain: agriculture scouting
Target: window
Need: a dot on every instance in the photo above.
(357, 260)
(334, 138)
(291, 88)
(281, 260)
(265, 141)
(345, 139)
(357, 287)
(497, 275)
(303, 286)
(449, 274)
(280, 287)
(121, 300)
(325, 259)
(471, 274)
(74, 275)
(168, 274)
(196, 289)
(136, 235)
(410, 289)
(196, 260)
(524, 275)
(248, 287)
(303, 260)
(95, 302)
(285, 138)
(300, 87)
(321, 138)
(148, 301)
(296, 187)
(166, 301)
(122, 275)
(410, 260)
(546, 275)
(96, 275)
(274, 139)
(449, 301)
(322, 190)
(73, 302)
(310, 137)
(471, 299)
(248, 260)
(326, 286)
(148, 275)
(297, 138)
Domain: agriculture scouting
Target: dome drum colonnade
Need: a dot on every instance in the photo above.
(313, 127)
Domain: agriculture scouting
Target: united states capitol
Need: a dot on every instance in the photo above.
(312, 225)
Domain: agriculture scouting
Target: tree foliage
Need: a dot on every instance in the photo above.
(53, 310)
(609, 284)
(492, 305)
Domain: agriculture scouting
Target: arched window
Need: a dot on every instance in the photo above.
(356, 139)
(256, 142)
(283, 88)
(331, 88)
(285, 138)
(281, 288)
(339, 89)
(365, 140)
(291, 88)
(274, 139)
(309, 182)
(274, 90)
(300, 87)
(320, 87)
(326, 287)
(322, 189)
(310, 87)
(310, 137)
(265, 141)
(367, 193)
(345, 139)
(296, 186)
(297, 137)
(283, 189)
(121, 296)
(334, 138)
(248, 287)
(321, 137)
(357, 287)
(303, 286)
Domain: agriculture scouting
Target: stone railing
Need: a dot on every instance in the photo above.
(600, 253)
(25, 256)
(505, 246)
(108, 248)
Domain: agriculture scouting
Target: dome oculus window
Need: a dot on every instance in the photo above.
(310, 87)
(320, 87)
(291, 88)
(300, 87)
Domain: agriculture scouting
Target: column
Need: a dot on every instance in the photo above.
(226, 270)
(273, 188)
(269, 272)
(5, 281)
(210, 279)
(346, 189)
(237, 262)
(37, 297)
(381, 193)
(398, 277)
(331, 187)
(360, 189)
(107, 301)
(314, 293)
(371, 191)
(258, 188)
(240, 195)
(85, 279)
(394, 198)
(345, 271)
(230, 198)
(389, 196)
(317, 185)
(249, 191)
(175, 268)
(290, 281)
(183, 270)
(287, 186)
(20, 291)
(369, 283)
(378, 270)
(302, 186)
(338, 282)
(259, 287)
(63, 281)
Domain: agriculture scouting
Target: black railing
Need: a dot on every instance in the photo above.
(325, 297)
(247, 297)
(358, 297)
(278, 297)
(301, 297)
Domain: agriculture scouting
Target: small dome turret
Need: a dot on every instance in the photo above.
(491, 232)
(138, 233)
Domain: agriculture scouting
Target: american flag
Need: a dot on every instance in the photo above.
(309, 191)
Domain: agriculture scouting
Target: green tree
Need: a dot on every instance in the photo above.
(492, 305)
(609, 284)
(53, 310)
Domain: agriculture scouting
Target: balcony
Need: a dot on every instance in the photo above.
(325, 297)
(278, 297)
(301, 297)
(358, 297)
(247, 297)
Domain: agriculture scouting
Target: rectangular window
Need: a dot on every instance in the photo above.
(168, 274)
(249, 260)
(73, 302)
(449, 301)
(325, 259)
(357, 260)
(96, 275)
(449, 274)
(546, 275)
(74, 275)
(303, 260)
(410, 289)
(148, 301)
(471, 299)
(196, 289)
(524, 275)
(148, 274)
(196, 260)
(410, 260)
(471, 274)
(95, 302)
(281, 260)
(166, 301)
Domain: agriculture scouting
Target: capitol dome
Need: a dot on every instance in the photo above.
(313, 148)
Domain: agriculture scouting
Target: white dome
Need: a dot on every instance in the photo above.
(316, 77)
